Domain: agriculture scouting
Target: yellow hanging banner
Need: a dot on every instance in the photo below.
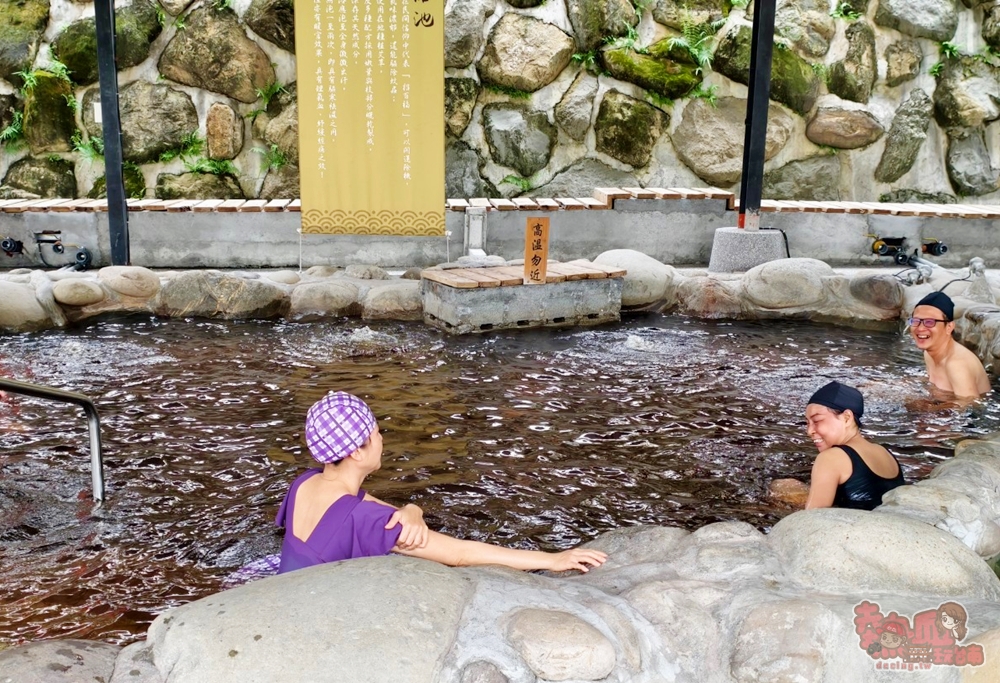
(371, 113)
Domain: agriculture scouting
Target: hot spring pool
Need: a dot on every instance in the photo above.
(538, 439)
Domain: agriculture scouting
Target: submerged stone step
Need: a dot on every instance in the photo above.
(473, 300)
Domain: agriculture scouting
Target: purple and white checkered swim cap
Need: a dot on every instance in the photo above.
(337, 425)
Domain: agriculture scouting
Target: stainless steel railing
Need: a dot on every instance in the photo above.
(93, 422)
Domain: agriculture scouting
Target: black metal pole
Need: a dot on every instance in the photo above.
(107, 71)
(755, 137)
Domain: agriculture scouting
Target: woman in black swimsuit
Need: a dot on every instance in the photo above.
(849, 472)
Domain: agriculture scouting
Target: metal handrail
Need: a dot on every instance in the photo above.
(93, 422)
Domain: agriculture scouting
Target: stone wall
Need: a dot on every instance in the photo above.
(871, 98)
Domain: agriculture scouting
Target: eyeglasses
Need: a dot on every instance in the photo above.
(929, 323)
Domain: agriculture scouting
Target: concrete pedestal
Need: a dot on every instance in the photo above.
(735, 250)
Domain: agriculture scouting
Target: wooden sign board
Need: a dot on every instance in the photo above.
(536, 250)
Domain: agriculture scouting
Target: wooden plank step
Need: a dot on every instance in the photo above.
(482, 279)
(295, 206)
(142, 204)
(47, 204)
(518, 272)
(447, 277)
(509, 276)
(231, 205)
(503, 205)
(640, 193)
(480, 203)
(608, 195)
(457, 204)
(157, 205)
(591, 203)
(524, 203)
(22, 205)
(546, 204)
(664, 193)
(253, 205)
(570, 204)
(181, 205)
(207, 205)
(575, 271)
(94, 205)
(715, 193)
(277, 204)
(609, 271)
(71, 205)
(687, 193)
(8, 202)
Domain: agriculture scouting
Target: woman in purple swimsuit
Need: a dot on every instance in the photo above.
(849, 472)
(327, 516)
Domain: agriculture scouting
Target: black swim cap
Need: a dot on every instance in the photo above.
(840, 397)
(940, 301)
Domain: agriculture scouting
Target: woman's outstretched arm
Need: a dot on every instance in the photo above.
(458, 553)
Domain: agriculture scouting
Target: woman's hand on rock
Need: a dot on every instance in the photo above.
(415, 532)
(581, 559)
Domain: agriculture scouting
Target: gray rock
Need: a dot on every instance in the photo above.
(594, 21)
(725, 559)
(211, 294)
(580, 179)
(286, 97)
(9, 106)
(273, 20)
(709, 297)
(813, 179)
(363, 272)
(175, 7)
(287, 277)
(853, 551)
(49, 122)
(459, 100)
(906, 135)
(213, 52)
(903, 59)
(223, 132)
(663, 69)
(312, 301)
(964, 515)
(968, 163)
(519, 138)
(24, 29)
(879, 290)
(806, 24)
(133, 281)
(281, 183)
(908, 195)
(412, 274)
(73, 292)
(576, 108)
(558, 646)
(21, 310)
(647, 281)
(483, 672)
(934, 19)
(155, 118)
(967, 93)
(463, 30)
(397, 300)
(322, 271)
(59, 661)
(42, 177)
(627, 128)
(524, 53)
(222, 637)
(634, 545)
(675, 14)
(853, 77)
(282, 130)
(788, 283)
(843, 128)
(991, 25)
(197, 186)
(709, 140)
(782, 641)
(135, 665)
(462, 176)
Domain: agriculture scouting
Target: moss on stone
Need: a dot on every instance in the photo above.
(49, 121)
(47, 177)
(135, 184)
(627, 128)
(23, 23)
(654, 71)
(793, 81)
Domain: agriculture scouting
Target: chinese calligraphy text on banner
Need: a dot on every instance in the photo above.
(536, 250)
(371, 103)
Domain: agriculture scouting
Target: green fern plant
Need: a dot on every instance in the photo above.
(949, 50)
(12, 136)
(268, 92)
(71, 102)
(508, 91)
(29, 80)
(659, 100)
(221, 5)
(740, 4)
(274, 158)
(212, 166)
(642, 5)
(844, 10)
(708, 94)
(57, 68)
(179, 24)
(626, 42)
(936, 69)
(191, 145)
(90, 149)
(522, 183)
(696, 40)
(588, 60)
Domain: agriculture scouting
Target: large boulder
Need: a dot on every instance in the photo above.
(396, 300)
(793, 81)
(519, 138)
(580, 179)
(312, 301)
(136, 27)
(594, 21)
(223, 131)
(21, 312)
(78, 292)
(991, 25)
(42, 176)
(853, 551)
(853, 77)
(967, 94)
(460, 96)
(281, 183)
(627, 128)
(906, 135)
(813, 179)
(131, 281)
(273, 20)
(902, 59)
(64, 660)
(709, 139)
(49, 121)
(692, 12)
(155, 118)
(212, 294)
(576, 108)
(462, 176)
(843, 128)
(213, 52)
(135, 184)
(463, 30)
(786, 283)
(647, 281)
(666, 71)
(282, 130)
(968, 163)
(197, 186)
(806, 24)
(558, 646)
(23, 29)
(934, 19)
(524, 53)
